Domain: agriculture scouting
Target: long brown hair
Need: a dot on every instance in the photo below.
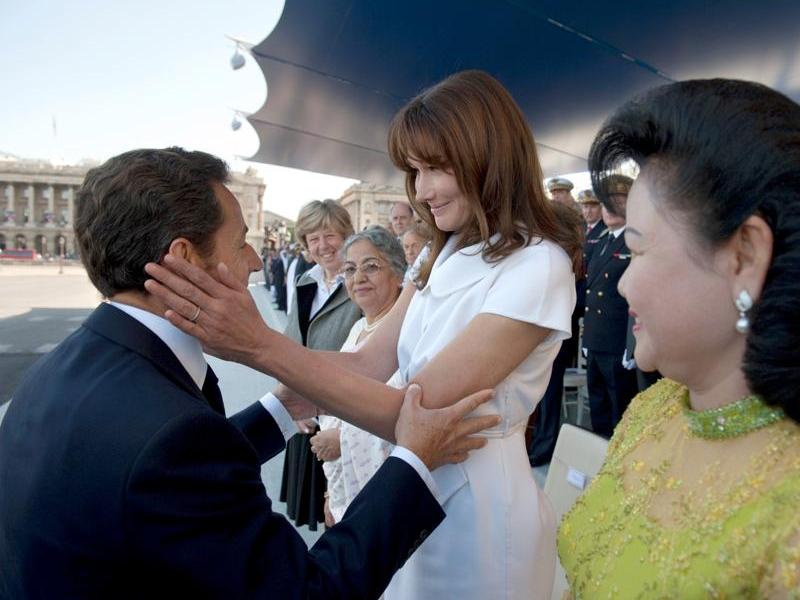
(470, 123)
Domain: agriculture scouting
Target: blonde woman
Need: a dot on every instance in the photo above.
(320, 318)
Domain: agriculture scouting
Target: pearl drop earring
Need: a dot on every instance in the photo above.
(743, 302)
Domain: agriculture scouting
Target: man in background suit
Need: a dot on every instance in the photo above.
(120, 476)
(593, 229)
(401, 217)
(278, 272)
(611, 386)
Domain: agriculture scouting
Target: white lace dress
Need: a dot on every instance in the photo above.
(362, 453)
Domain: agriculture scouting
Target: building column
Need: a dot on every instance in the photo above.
(50, 215)
(10, 209)
(31, 208)
(71, 205)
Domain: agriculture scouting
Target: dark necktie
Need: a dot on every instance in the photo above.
(212, 393)
(609, 237)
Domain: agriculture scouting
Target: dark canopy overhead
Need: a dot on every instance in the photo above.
(338, 70)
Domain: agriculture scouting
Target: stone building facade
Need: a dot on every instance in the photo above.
(37, 205)
(370, 204)
(37, 201)
(249, 190)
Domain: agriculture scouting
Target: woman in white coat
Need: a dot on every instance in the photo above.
(489, 309)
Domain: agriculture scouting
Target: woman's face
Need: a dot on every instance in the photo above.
(681, 301)
(323, 246)
(439, 189)
(370, 280)
(412, 246)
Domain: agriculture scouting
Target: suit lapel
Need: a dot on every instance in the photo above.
(599, 261)
(122, 329)
(596, 231)
(305, 298)
(338, 297)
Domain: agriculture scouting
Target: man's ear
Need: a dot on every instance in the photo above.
(183, 248)
(752, 256)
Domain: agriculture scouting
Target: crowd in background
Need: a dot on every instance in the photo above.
(602, 345)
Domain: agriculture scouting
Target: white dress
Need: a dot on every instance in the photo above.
(362, 453)
(498, 540)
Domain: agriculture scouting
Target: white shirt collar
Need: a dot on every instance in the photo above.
(185, 348)
(618, 232)
(318, 274)
(323, 291)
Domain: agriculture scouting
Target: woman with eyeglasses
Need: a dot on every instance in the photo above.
(489, 309)
(373, 275)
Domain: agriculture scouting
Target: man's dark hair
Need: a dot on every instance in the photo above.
(130, 208)
(722, 150)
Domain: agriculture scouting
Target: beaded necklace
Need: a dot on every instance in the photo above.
(732, 420)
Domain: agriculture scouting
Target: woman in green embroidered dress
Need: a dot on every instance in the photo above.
(700, 493)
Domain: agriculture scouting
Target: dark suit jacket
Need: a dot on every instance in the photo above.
(606, 315)
(119, 480)
(590, 242)
(302, 266)
(278, 272)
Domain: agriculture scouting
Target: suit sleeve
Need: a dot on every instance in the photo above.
(200, 522)
(260, 429)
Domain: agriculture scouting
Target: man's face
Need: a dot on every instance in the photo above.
(615, 221)
(230, 245)
(563, 197)
(401, 218)
(591, 211)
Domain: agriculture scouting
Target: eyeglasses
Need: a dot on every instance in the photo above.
(368, 268)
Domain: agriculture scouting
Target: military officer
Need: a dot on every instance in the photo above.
(561, 191)
(611, 386)
(591, 210)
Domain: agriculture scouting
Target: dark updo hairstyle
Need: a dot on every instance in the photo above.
(720, 151)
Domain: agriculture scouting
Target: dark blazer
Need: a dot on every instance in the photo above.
(118, 479)
(278, 272)
(589, 245)
(302, 266)
(605, 318)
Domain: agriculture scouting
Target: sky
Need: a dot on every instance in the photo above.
(89, 79)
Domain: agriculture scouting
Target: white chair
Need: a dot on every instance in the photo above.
(577, 458)
(576, 394)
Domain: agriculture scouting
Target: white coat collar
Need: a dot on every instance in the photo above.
(454, 270)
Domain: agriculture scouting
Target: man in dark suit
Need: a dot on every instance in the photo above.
(278, 272)
(611, 386)
(120, 476)
(594, 226)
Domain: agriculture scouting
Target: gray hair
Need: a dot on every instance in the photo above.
(385, 243)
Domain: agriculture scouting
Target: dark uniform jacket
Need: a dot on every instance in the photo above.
(605, 318)
(119, 478)
(590, 242)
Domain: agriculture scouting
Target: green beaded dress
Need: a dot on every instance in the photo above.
(690, 505)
